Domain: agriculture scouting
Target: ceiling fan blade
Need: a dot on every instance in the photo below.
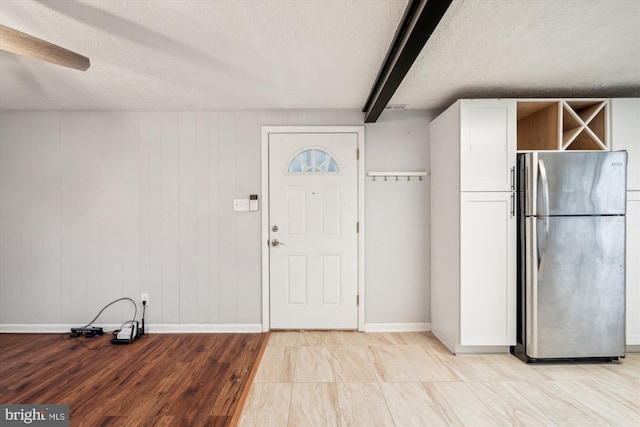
(23, 44)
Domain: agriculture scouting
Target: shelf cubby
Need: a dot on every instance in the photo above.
(538, 125)
(588, 117)
(572, 125)
(585, 141)
(586, 110)
(556, 124)
(598, 125)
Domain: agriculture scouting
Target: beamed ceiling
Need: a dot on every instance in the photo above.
(299, 54)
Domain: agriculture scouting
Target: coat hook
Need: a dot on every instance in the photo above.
(396, 179)
(385, 178)
(420, 177)
(374, 177)
(408, 178)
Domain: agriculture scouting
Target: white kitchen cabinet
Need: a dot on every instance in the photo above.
(487, 144)
(473, 231)
(487, 268)
(625, 135)
(473, 265)
(633, 268)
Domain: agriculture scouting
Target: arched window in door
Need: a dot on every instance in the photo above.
(314, 160)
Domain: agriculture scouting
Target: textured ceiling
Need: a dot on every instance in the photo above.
(183, 54)
(528, 48)
(253, 54)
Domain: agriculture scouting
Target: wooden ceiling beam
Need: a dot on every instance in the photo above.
(420, 19)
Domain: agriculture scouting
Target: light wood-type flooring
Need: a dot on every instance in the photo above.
(409, 379)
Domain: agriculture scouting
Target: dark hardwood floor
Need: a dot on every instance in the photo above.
(165, 379)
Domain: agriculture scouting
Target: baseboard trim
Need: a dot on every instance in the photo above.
(472, 349)
(397, 327)
(195, 328)
(11, 328)
(632, 348)
(57, 328)
(482, 349)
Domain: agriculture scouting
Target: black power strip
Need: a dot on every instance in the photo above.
(90, 331)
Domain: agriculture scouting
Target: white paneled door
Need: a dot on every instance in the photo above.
(313, 214)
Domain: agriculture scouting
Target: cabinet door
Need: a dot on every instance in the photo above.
(633, 270)
(488, 269)
(625, 135)
(487, 144)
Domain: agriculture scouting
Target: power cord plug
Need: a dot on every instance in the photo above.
(144, 307)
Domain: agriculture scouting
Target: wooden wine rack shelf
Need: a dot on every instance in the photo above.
(557, 124)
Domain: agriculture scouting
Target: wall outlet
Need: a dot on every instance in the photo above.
(144, 298)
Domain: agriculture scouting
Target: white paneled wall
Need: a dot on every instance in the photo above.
(99, 205)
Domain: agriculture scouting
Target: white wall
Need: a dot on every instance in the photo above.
(397, 257)
(99, 205)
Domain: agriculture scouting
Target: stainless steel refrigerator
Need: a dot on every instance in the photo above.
(571, 263)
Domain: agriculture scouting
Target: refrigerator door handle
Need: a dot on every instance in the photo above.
(530, 183)
(542, 248)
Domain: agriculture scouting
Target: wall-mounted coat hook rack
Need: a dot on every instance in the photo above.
(397, 175)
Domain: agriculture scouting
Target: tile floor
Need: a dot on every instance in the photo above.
(410, 379)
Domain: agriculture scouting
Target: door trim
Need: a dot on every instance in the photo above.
(266, 131)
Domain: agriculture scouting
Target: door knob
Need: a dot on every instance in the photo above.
(276, 242)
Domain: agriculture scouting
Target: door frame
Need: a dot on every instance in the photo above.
(266, 265)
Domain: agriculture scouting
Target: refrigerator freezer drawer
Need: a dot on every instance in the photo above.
(575, 287)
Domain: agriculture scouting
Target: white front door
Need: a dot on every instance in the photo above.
(313, 214)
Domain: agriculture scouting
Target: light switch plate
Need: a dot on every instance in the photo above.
(241, 205)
